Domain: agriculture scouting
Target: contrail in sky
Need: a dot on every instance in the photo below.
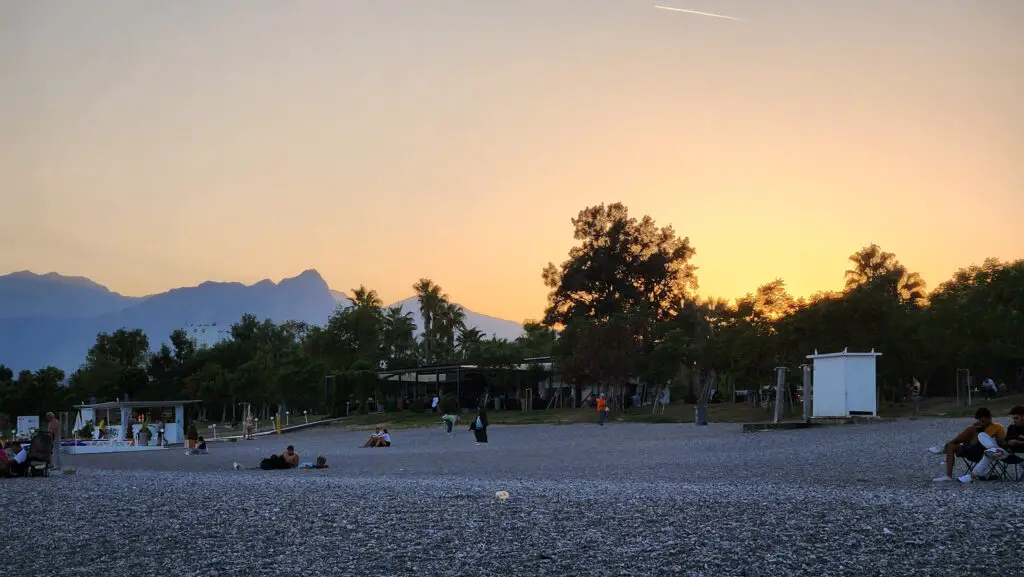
(700, 13)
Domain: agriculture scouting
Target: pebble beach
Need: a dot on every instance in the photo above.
(624, 499)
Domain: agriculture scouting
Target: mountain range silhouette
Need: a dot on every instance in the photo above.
(51, 319)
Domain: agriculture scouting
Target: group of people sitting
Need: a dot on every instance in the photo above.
(290, 459)
(380, 438)
(13, 459)
(984, 443)
(199, 449)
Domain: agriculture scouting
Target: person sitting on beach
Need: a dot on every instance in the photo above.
(971, 443)
(200, 448)
(384, 440)
(321, 463)
(1014, 441)
(372, 441)
(291, 458)
(18, 461)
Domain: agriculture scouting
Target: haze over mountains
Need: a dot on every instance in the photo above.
(52, 319)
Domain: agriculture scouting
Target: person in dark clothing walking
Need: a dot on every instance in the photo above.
(479, 426)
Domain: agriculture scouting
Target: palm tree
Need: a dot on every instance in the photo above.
(431, 299)
(450, 319)
(469, 339)
(399, 332)
(363, 297)
(872, 266)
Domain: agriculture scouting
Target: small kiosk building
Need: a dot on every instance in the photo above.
(844, 385)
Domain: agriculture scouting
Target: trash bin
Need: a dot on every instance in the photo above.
(700, 416)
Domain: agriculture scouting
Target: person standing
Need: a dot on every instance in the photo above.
(602, 409)
(433, 404)
(53, 427)
(479, 426)
(915, 399)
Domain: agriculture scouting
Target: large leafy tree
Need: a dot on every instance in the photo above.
(624, 278)
(537, 340)
(620, 264)
(115, 366)
(977, 319)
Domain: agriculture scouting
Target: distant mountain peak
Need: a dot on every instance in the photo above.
(44, 322)
(56, 278)
(307, 278)
(488, 325)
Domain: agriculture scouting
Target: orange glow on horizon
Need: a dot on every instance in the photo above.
(383, 142)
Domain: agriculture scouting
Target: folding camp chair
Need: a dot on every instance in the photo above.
(1010, 469)
(40, 451)
(965, 465)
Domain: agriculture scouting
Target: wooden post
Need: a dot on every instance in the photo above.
(780, 392)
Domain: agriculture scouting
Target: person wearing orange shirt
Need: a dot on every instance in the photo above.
(972, 442)
(602, 409)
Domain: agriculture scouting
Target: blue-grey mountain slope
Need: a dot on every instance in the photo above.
(53, 320)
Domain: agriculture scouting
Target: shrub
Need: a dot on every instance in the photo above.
(417, 406)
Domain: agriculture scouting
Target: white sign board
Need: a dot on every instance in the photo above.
(27, 426)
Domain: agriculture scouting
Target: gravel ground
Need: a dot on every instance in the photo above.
(618, 500)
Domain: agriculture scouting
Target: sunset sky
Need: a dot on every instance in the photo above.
(149, 145)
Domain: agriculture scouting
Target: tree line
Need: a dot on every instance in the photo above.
(623, 304)
(273, 365)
